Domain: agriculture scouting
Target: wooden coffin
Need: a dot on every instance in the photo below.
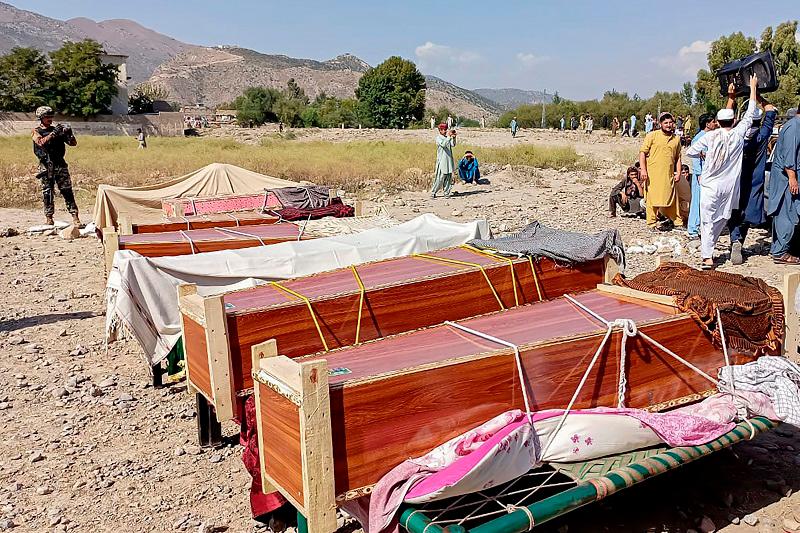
(334, 424)
(329, 310)
(228, 203)
(198, 240)
(219, 220)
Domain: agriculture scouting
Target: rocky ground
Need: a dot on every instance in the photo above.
(88, 445)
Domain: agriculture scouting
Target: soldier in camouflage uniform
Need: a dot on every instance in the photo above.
(49, 145)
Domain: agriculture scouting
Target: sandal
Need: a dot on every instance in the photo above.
(786, 259)
(707, 266)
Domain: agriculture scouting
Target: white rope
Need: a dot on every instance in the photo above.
(650, 339)
(194, 208)
(738, 401)
(191, 242)
(230, 215)
(629, 329)
(242, 233)
(522, 381)
(303, 228)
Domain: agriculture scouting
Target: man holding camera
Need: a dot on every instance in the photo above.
(445, 166)
(50, 145)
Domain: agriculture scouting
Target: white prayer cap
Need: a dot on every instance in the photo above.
(725, 114)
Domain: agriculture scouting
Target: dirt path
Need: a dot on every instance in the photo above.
(88, 445)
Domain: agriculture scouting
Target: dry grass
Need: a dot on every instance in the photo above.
(351, 166)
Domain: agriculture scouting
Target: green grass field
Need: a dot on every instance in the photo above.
(350, 166)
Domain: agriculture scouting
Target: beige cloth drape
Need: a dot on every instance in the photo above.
(144, 203)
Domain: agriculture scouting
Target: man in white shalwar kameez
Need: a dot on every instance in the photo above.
(445, 166)
(722, 150)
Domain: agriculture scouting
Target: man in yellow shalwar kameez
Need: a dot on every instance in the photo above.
(660, 166)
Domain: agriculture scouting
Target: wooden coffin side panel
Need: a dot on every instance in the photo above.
(293, 414)
(160, 249)
(232, 221)
(429, 407)
(198, 373)
(400, 308)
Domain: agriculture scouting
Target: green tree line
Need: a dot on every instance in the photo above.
(72, 80)
(694, 98)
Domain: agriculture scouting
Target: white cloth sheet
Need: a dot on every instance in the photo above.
(141, 293)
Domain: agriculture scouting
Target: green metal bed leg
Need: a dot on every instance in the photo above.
(413, 520)
(302, 523)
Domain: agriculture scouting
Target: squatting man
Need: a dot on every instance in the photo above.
(50, 145)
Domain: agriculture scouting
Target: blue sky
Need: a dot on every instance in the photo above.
(578, 47)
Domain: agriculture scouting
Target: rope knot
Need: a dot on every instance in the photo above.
(627, 325)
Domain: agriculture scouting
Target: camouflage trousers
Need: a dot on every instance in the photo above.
(49, 180)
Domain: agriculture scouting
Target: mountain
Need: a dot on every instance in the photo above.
(213, 76)
(512, 98)
(461, 101)
(146, 48)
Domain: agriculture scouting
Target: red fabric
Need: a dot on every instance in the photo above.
(335, 209)
(260, 503)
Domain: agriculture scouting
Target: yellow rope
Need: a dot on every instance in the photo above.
(535, 279)
(310, 310)
(465, 263)
(360, 301)
(501, 258)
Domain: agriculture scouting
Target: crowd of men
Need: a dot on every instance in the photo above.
(727, 176)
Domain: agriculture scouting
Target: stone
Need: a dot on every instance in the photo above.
(9, 232)
(707, 525)
(35, 457)
(70, 232)
(180, 521)
(43, 490)
(179, 451)
(59, 392)
(106, 383)
(125, 397)
(215, 458)
(6, 524)
(16, 339)
(456, 213)
(399, 202)
(750, 519)
(193, 450)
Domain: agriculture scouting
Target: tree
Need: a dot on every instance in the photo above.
(786, 53)
(144, 95)
(84, 86)
(393, 93)
(687, 94)
(294, 91)
(256, 106)
(24, 80)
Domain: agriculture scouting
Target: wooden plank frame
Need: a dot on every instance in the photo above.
(125, 226)
(110, 246)
(209, 312)
(186, 289)
(791, 298)
(306, 385)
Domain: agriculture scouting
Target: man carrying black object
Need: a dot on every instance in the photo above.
(49, 145)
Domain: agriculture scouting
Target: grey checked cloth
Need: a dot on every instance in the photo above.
(775, 376)
(538, 240)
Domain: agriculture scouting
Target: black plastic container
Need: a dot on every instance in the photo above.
(740, 71)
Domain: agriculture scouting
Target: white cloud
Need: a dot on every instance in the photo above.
(432, 55)
(688, 60)
(530, 60)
